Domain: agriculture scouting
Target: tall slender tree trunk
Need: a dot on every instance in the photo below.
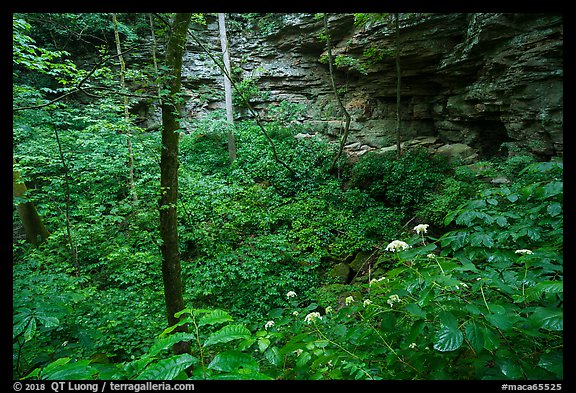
(126, 114)
(398, 79)
(34, 228)
(171, 270)
(340, 104)
(227, 86)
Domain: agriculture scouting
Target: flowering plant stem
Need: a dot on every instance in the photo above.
(342, 348)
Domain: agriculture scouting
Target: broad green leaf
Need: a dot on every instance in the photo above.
(181, 322)
(47, 321)
(491, 340)
(263, 343)
(503, 321)
(502, 221)
(510, 369)
(167, 342)
(512, 197)
(448, 319)
(303, 359)
(233, 361)
(553, 188)
(543, 287)
(553, 362)
(554, 209)
(30, 329)
(475, 335)
(215, 317)
(70, 371)
(22, 322)
(447, 339)
(168, 369)
(272, 355)
(55, 365)
(228, 333)
(547, 318)
(297, 342)
(414, 309)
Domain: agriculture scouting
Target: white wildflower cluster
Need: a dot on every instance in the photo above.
(393, 299)
(463, 284)
(524, 252)
(312, 316)
(412, 346)
(422, 228)
(295, 313)
(376, 280)
(291, 294)
(397, 245)
(367, 302)
(329, 310)
(431, 256)
(269, 324)
(349, 300)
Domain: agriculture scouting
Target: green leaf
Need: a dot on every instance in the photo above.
(447, 339)
(303, 359)
(69, 371)
(263, 343)
(215, 317)
(543, 287)
(547, 318)
(297, 342)
(47, 321)
(228, 333)
(502, 221)
(512, 197)
(554, 209)
(415, 310)
(553, 362)
(233, 361)
(503, 321)
(272, 355)
(510, 369)
(167, 342)
(553, 188)
(448, 319)
(475, 335)
(168, 369)
(30, 328)
(491, 340)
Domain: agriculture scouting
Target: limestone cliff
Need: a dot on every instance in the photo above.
(493, 81)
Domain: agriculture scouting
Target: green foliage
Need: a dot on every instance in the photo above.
(403, 181)
(450, 193)
(483, 301)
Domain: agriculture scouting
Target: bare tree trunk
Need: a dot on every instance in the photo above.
(398, 78)
(340, 104)
(227, 87)
(36, 233)
(171, 270)
(248, 105)
(126, 114)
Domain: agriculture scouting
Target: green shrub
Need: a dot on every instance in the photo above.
(403, 181)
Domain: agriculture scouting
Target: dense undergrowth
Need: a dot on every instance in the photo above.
(472, 289)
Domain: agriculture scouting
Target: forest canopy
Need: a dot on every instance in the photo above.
(242, 247)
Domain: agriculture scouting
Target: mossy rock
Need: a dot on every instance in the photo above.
(341, 271)
(360, 260)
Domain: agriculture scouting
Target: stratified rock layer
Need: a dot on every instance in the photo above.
(492, 81)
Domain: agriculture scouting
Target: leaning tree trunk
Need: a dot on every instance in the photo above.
(171, 271)
(35, 231)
